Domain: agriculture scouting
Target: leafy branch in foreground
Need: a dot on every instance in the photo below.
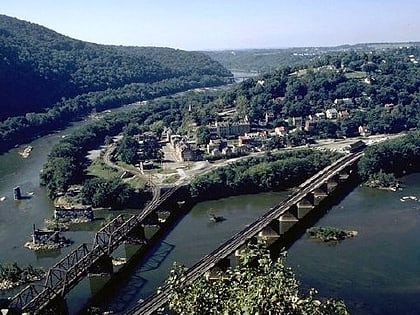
(258, 285)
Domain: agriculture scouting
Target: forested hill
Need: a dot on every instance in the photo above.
(39, 66)
(378, 90)
(268, 60)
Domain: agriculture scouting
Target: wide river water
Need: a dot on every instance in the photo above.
(375, 273)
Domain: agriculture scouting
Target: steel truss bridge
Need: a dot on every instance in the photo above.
(69, 271)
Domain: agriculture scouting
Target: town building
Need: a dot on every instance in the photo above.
(331, 113)
(229, 129)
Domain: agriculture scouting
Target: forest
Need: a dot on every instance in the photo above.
(395, 156)
(47, 78)
(273, 171)
(378, 89)
(260, 61)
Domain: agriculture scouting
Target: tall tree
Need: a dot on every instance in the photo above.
(268, 288)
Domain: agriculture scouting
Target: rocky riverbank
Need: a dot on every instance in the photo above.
(12, 276)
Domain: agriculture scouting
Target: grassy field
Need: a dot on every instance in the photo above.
(137, 182)
(99, 169)
(171, 179)
(356, 75)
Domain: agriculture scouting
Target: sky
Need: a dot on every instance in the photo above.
(224, 24)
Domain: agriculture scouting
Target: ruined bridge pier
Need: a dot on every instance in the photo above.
(136, 233)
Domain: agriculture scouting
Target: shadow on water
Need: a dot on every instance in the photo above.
(299, 229)
(127, 294)
(47, 253)
(25, 197)
(155, 260)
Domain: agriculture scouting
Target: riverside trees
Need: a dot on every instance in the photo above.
(256, 286)
(396, 156)
(256, 174)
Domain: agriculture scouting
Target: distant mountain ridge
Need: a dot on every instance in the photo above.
(269, 59)
(38, 66)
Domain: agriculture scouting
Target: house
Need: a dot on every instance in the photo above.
(296, 121)
(269, 117)
(364, 131)
(187, 152)
(310, 124)
(227, 129)
(320, 115)
(389, 105)
(343, 101)
(166, 134)
(331, 113)
(280, 131)
(227, 150)
(218, 144)
(343, 114)
(174, 139)
(244, 140)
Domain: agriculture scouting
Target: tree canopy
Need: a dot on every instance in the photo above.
(258, 285)
(38, 66)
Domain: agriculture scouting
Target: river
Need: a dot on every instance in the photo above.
(375, 273)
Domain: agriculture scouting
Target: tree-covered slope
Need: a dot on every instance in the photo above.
(39, 66)
(378, 89)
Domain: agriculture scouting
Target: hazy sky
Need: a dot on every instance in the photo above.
(224, 24)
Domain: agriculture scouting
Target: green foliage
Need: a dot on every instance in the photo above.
(23, 128)
(260, 60)
(49, 79)
(382, 180)
(268, 288)
(329, 233)
(105, 193)
(276, 142)
(392, 156)
(127, 150)
(58, 174)
(202, 135)
(39, 66)
(255, 174)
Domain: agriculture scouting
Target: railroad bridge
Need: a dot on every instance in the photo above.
(274, 225)
(95, 257)
(88, 258)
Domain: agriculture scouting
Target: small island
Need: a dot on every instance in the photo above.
(44, 239)
(330, 234)
(12, 276)
(382, 180)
